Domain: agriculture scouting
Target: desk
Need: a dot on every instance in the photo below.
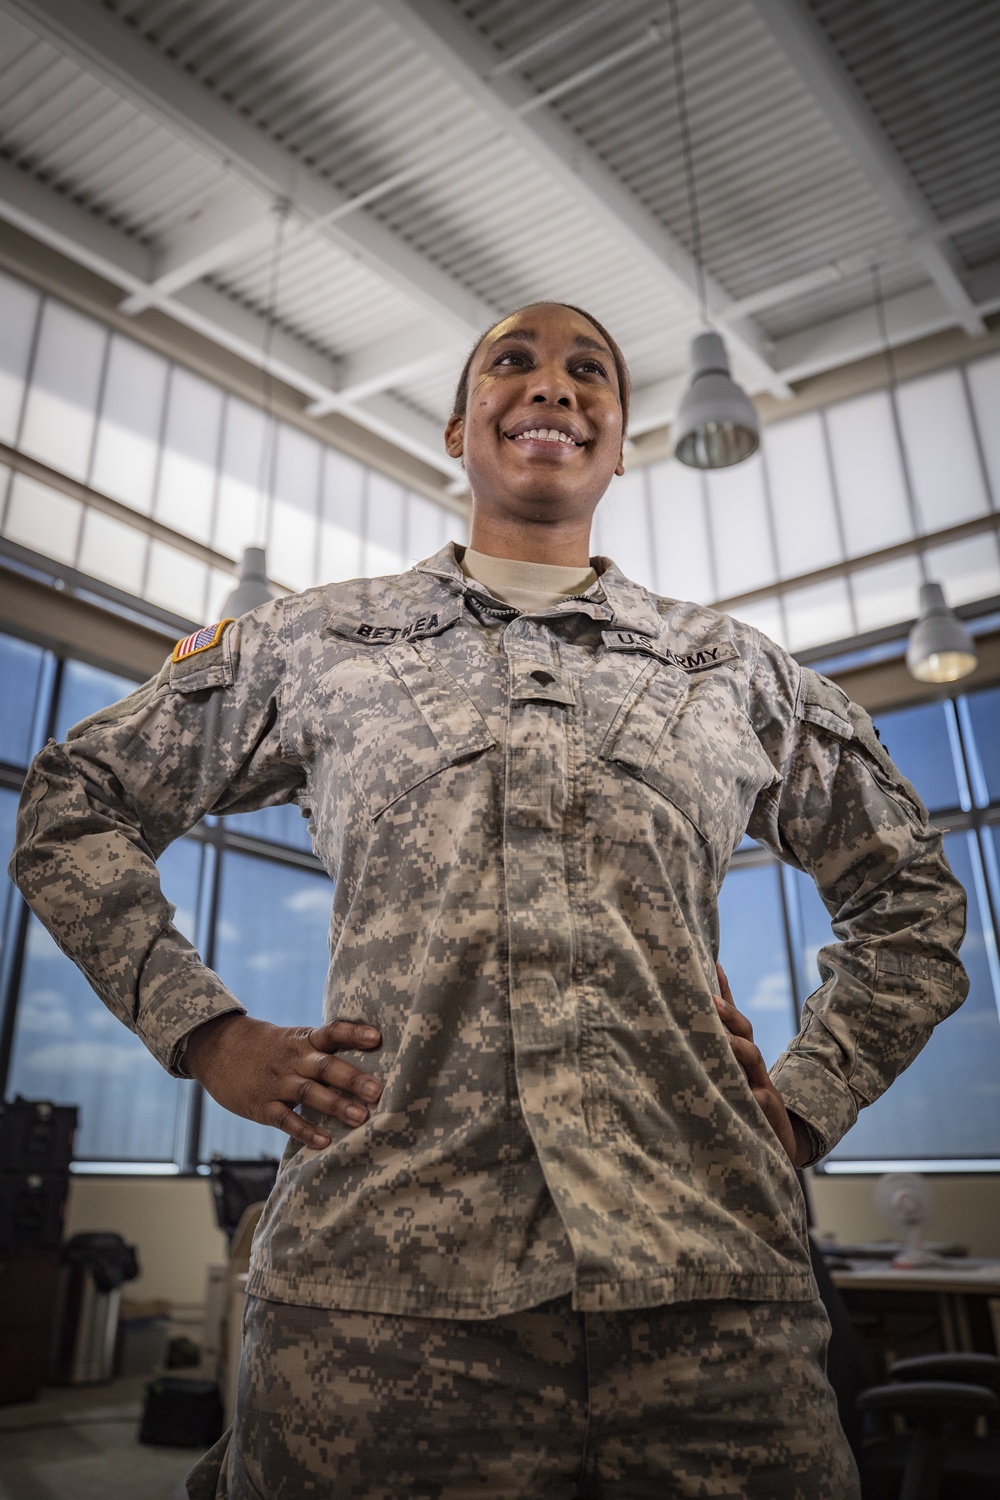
(952, 1286)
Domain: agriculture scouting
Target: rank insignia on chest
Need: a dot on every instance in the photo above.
(199, 640)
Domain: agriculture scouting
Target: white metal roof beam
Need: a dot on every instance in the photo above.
(852, 336)
(107, 49)
(234, 224)
(800, 37)
(831, 345)
(438, 28)
(401, 356)
(81, 237)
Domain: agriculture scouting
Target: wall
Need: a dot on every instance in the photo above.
(966, 1210)
(172, 1224)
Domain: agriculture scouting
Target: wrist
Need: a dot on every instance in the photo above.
(201, 1044)
(805, 1143)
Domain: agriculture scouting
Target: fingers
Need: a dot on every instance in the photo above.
(724, 989)
(751, 1060)
(267, 1071)
(328, 1084)
(282, 1118)
(344, 1036)
(335, 1073)
(733, 1020)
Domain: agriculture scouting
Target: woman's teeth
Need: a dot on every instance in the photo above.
(547, 435)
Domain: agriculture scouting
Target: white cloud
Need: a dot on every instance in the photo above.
(314, 897)
(44, 1011)
(772, 993)
(84, 1057)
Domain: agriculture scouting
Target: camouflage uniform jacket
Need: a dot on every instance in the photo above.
(528, 819)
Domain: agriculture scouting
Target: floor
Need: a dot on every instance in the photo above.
(81, 1443)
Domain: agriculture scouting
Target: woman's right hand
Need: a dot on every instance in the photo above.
(263, 1072)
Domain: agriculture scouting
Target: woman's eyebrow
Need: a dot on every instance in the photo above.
(530, 335)
(583, 342)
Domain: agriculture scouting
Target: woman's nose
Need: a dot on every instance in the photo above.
(553, 388)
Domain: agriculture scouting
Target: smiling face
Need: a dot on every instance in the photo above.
(541, 435)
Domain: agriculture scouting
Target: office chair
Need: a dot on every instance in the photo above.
(945, 1401)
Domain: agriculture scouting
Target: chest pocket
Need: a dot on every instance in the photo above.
(684, 735)
(400, 719)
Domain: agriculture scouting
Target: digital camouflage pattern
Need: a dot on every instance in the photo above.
(528, 819)
(699, 1399)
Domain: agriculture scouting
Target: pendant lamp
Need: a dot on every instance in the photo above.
(252, 589)
(940, 648)
(716, 424)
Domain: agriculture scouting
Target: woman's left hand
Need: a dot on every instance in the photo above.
(789, 1129)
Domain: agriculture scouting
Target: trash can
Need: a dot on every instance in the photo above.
(94, 1268)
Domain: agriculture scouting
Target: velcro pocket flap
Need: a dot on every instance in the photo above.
(821, 702)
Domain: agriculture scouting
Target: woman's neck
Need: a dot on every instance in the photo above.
(566, 546)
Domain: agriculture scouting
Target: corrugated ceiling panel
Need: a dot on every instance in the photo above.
(931, 76)
(778, 194)
(349, 93)
(71, 132)
(330, 80)
(324, 296)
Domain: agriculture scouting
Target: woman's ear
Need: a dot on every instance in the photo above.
(454, 437)
(621, 463)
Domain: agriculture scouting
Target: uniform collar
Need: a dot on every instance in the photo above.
(626, 605)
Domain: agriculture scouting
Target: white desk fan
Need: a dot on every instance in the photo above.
(905, 1200)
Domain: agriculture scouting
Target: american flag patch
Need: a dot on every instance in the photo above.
(200, 640)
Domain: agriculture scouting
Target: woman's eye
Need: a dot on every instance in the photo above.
(592, 367)
(511, 356)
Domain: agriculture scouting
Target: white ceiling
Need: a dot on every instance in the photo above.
(438, 163)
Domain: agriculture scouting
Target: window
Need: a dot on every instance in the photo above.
(17, 330)
(128, 430)
(754, 954)
(270, 949)
(256, 903)
(945, 1108)
(947, 1103)
(68, 1047)
(157, 440)
(248, 893)
(61, 409)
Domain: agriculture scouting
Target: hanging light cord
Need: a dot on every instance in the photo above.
(890, 370)
(268, 446)
(687, 153)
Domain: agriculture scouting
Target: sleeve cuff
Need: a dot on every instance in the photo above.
(821, 1100)
(175, 1004)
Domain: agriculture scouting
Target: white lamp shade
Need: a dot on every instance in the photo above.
(940, 649)
(252, 589)
(716, 424)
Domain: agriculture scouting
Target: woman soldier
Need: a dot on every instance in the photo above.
(557, 1248)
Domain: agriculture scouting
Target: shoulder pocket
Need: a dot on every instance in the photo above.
(208, 669)
(821, 702)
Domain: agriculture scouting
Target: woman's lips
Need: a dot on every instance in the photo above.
(546, 441)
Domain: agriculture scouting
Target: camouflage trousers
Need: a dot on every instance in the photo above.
(700, 1399)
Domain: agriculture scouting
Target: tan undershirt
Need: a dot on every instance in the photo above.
(526, 586)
